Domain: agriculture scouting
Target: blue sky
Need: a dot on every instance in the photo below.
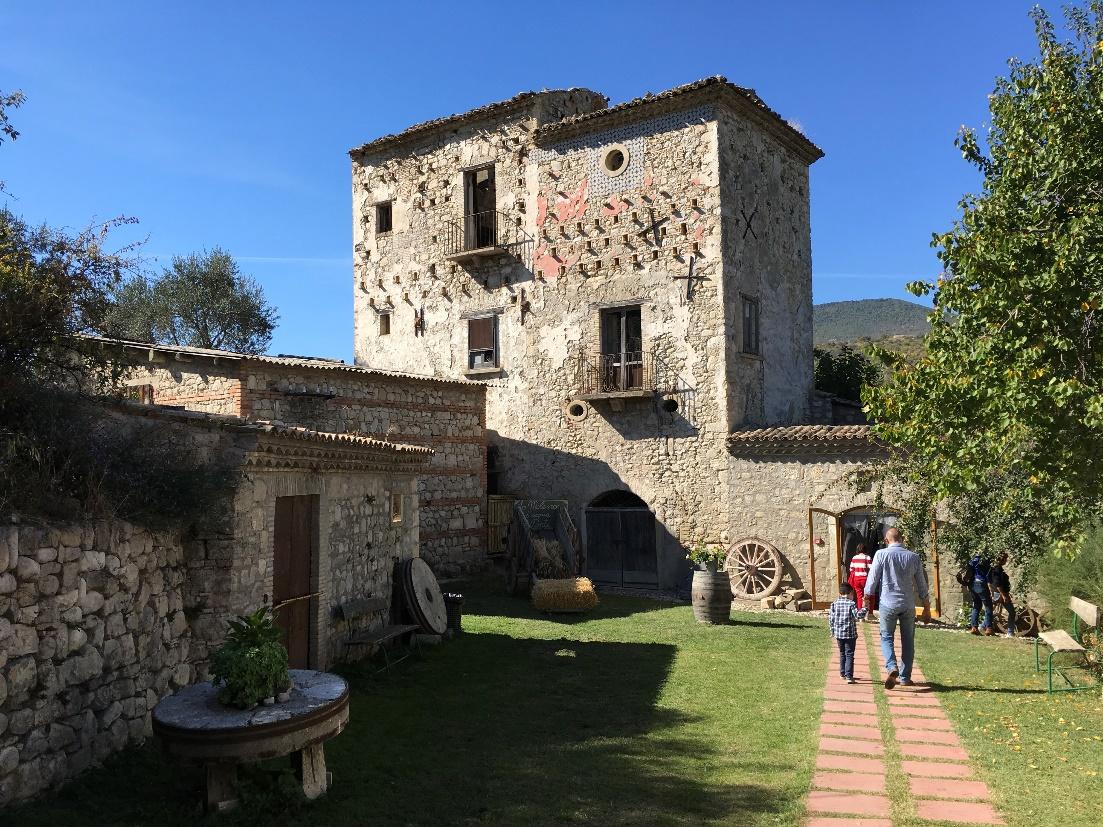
(228, 123)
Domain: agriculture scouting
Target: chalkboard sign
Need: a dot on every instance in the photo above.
(541, 514)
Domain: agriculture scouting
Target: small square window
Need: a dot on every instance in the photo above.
(384, 324)
(396, 507)
(142, 394)
(383, 217)
(750, 325)
(482, 342)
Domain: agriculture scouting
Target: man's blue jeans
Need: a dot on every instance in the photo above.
(981, 597)
(905, 616)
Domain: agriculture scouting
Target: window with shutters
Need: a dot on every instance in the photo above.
(482, 343)
(383, 217)
(750, 325)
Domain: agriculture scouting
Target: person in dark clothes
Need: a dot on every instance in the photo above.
(1000, 586)
(975, 578)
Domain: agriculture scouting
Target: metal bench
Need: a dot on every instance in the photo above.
(1059, 640)
(377, 635)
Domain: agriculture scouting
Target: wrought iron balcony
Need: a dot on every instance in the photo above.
(482, 234)
(617, 375)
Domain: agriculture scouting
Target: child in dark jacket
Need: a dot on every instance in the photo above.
(843, 621)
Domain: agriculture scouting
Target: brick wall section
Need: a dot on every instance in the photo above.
(449, 417)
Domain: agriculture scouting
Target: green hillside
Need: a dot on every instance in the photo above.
(875, 319)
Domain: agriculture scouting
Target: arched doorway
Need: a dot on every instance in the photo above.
(620, 541)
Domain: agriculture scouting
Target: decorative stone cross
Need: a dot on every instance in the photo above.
(653, 229)
(690, 278)
(749, 222)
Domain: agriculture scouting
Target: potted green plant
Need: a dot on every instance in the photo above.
(251, 665)
(706, 556)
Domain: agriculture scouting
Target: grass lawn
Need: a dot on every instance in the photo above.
(1042, 756)
(634, 714)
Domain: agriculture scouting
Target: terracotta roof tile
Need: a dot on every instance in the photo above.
(240, 424)
(804, 439)
(570, 126)
(489, 110)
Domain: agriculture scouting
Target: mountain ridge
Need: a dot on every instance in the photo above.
(849, 321)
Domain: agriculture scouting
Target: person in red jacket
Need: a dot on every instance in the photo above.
(859, 570)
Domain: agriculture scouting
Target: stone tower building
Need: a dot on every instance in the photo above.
(631, 283)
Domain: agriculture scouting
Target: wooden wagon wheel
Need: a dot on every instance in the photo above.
(1026, 620)
(755, 569)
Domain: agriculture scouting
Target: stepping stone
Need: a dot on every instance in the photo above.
(941, 752)
(859, 804)
(911, 699)
(827, 821)
(905, 722)
(862, 782)
(830, 717)
(855, 693)
(946, 788)
(854, 707)
(847, 745)
(851, 763)
(862, 733)
(927, 736)
(926, 712)
(963, 812)
(936, 769)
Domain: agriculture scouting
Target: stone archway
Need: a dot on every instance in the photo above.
(621, 548)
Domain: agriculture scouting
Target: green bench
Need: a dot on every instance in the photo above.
(1058, 640)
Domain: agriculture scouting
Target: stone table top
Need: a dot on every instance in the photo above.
(196, 707)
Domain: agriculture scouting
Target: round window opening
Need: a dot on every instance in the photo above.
(615, 160)
(577, 409)
(669, 405)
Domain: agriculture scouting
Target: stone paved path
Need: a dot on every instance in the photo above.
(848, 789)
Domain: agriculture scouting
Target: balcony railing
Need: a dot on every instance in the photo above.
(488, 233)
(617, 374)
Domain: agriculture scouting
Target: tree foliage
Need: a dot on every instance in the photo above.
(53, 286)
(1007, 405)
(202, 300)
(9, 100)
(844, 372)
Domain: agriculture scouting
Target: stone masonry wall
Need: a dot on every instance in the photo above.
(548, 305)
(771, 498)
(767, 254)
(92, 634)
(449, 417)
(196, 385)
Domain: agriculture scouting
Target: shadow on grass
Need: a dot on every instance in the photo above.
(490, 729)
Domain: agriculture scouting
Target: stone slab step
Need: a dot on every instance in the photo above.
(948, 788)
(850, 763)
(862, 782)
(911, 699)
(927, 736)
(961, 812)
(858, 707)
(940, 752)
(858, 732)
(936, 769)
(932, 712)
(902, 721)
(827, 821)
(859, 804)
(846, 745)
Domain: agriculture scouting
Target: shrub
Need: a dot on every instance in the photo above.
(251, 664)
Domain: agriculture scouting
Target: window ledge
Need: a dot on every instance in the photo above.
(755, 357)
(483, 373)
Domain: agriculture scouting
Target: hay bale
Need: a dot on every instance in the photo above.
(574, 594)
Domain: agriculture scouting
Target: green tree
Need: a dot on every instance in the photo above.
(844, 373)
(1011, 386)
(202, 300)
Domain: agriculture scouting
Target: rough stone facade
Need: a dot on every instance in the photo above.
(98, 622)
(706, 177)
(93, 633)
(323, 395)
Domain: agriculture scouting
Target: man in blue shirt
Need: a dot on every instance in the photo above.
(897, 578)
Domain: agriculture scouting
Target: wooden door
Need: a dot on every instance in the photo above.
(620, 547)
(603, 549)
(499, 514)
(292, 572)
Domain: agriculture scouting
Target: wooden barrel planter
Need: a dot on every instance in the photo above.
(712, 596)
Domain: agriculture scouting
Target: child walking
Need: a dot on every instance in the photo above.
(843, 621)
(859, 571)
